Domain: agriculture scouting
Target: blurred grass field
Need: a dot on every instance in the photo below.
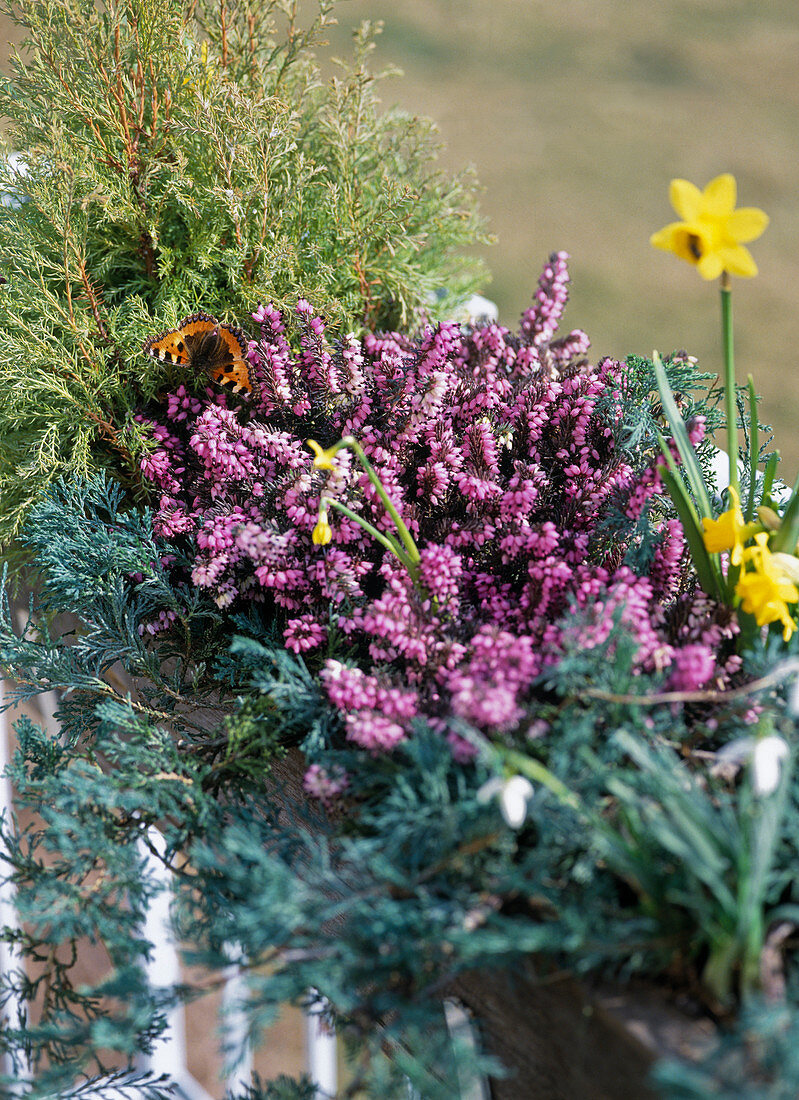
(576, 115)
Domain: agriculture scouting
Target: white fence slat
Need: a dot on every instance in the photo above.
(163, 969)
(234, 993)
(320, 1050)
(9, 959)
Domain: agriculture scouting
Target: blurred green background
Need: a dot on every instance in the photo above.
(576, 115)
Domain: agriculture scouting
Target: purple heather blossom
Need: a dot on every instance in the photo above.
(493, 449)
(540, 321)
(692, 668)
(352, 689)
(163, 622)
(303, 633)
(667, 565)
(326, 786)
(372, 730)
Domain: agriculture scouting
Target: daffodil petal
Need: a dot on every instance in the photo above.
(686, 198)
(718, 198)
(322, 459)
(710, 266)
(738, 261)
(747, 223)
(711, 236)
(664, 238)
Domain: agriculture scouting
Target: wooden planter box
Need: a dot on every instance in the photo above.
(562, 1040)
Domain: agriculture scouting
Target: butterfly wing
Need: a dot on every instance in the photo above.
(227, 363)
(179, 346)
(201, 343)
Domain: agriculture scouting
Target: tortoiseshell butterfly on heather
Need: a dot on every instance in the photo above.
(203, 344)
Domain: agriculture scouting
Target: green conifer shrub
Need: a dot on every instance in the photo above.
(176, 159)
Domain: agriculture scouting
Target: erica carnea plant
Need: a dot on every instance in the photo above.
(175, 157)
(502, 459)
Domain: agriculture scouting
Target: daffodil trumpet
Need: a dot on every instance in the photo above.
(322, 532)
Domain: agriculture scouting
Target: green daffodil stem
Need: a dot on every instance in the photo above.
(730, 403)
(385, 540)
(403, 532)
(405, 549)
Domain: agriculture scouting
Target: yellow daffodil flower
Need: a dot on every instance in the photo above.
(728, 532)
(711, 233)
(766, 591)
(323, 459)
(323, 532)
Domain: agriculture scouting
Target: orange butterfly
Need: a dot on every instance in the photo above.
(202, 343)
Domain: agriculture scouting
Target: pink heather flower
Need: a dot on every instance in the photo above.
(163, 622)
(692, 668)
(156, 467)
(440, 570)
(326, 786)
(351, 689)
(304, 633)
(374, 731)
(463, 751)
(206, 572)
(540, 321)
(493, 707)
(628, 601)
(494, 450)
(487, 689)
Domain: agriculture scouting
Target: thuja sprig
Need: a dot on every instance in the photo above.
(403, 548)
(152, 181)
